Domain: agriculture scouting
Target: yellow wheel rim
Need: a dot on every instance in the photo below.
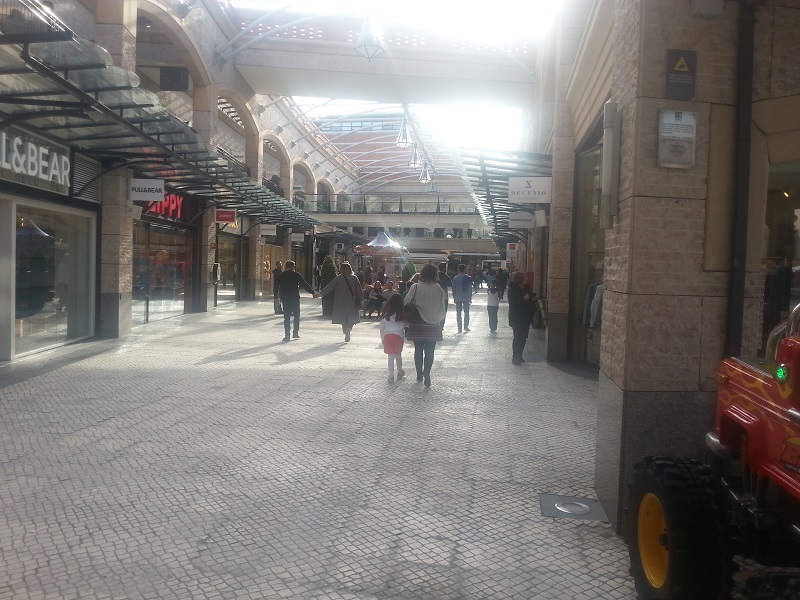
(653, 548)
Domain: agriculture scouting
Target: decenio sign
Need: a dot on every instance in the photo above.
(32, 162)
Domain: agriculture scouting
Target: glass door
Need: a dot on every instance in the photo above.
(228, 257)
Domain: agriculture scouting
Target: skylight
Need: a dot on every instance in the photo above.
(500, 21)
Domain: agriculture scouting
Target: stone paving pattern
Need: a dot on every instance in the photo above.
(202, 457)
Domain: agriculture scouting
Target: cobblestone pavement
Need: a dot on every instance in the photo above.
(202, 457)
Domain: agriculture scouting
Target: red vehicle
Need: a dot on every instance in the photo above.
(687, 519)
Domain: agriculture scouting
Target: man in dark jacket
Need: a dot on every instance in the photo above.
(288, 284)
(276, 296)
(501, 281)
(445, 282)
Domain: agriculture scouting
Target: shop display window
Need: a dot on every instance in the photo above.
(588, 254)
(162, 263)
(780, 250)
(54, 278)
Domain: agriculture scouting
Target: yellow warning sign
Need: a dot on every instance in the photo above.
(681, 65)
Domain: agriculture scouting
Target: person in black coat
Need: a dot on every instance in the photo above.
(289, 283)
(521, 307)
(501, 281)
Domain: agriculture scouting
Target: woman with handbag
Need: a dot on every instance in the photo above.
(347, 297)
(430, 300)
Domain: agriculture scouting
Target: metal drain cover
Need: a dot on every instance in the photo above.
(569, 507)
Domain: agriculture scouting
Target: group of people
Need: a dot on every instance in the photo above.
(356, 296)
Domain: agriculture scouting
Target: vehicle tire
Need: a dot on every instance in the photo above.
(676, 538)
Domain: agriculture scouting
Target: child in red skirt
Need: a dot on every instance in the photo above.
(393, 334)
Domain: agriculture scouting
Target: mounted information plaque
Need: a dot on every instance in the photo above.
(677, 130)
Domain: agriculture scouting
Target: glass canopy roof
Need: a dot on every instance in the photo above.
(69, 92)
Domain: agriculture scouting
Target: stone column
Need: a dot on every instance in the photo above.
(287, 180)
(207, 241)
(255, 266)
(560, 243)
(116, 258)
(664, 307)
(116, 30)
(254, 156)
(203, 115)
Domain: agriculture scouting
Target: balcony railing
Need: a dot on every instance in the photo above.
(366, 205)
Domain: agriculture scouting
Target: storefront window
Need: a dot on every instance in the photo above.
(162, 263)
(54, 278)
(780, 249)
(230, 270)
(587, 261)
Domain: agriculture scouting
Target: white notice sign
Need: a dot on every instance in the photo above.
(676, 139)
(146, 190)
(298, 237)
(530, 190)
(521, 220)
(268, 230)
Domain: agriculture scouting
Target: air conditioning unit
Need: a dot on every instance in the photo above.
(339, 247)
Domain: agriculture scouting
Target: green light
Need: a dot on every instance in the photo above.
(782, 373)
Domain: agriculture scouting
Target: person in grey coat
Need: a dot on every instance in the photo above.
(347, 297)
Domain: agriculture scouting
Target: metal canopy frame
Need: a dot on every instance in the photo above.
(65, 89)
(487, 174)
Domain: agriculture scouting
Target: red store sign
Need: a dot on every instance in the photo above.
(225, 216)
(171, 206)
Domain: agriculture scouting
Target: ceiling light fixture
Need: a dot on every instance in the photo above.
(370, 40)
(433, 189)
(404, 137)
(414, 160)
(425, 174)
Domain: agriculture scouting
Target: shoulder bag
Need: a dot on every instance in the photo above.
(410, 312)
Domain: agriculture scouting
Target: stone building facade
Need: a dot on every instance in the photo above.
(695, 260)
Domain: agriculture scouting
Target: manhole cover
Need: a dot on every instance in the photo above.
(568, 507)
(573, 508)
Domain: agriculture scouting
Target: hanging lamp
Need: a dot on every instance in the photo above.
(425, 174)
(404, 137)
(414, 160)
(370, 40)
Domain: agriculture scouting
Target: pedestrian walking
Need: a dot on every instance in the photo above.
(392, 328)
(288, 284)
(430, 299)
(275, 292)
(521, 300)
(347, 298)
(492, 306)
(462, 296)
(445, 282)
(501, 280)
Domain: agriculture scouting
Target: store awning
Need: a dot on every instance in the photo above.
(69, 92)
(382, 246)
(344, 237)
(487, 174)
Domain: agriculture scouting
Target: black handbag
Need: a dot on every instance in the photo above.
(410, 312)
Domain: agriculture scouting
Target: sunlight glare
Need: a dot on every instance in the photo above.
(502, 21)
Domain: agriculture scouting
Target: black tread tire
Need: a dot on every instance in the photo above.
(700, 564)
